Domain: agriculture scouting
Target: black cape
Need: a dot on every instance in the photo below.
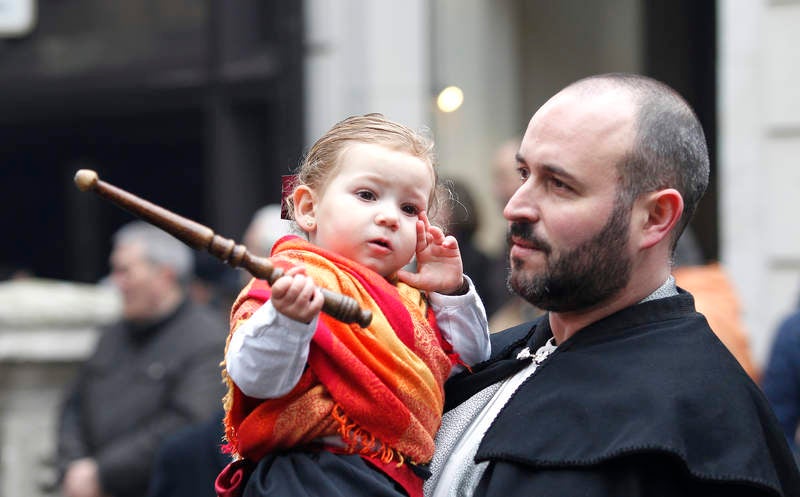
(644, 402)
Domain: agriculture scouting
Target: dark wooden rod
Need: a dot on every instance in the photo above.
(201, 237)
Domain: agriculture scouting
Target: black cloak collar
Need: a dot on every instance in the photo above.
(652, 378)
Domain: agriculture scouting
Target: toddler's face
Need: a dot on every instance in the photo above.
(368, 211)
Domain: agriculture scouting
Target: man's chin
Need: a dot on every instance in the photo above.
(529, 267)
(524, 285)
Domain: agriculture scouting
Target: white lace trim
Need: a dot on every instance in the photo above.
(453, 466)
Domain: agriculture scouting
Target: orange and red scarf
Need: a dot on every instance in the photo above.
(380, 388)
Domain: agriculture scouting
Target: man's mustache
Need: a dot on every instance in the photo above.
(524, 231)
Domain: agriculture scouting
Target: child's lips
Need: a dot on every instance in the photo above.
(381, 244)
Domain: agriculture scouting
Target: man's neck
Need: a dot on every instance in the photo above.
(166, 305)
(566, 324)
(169, 302)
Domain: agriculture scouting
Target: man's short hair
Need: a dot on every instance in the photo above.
(160, 248)
(669, 149)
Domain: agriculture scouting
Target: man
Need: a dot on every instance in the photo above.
(152, 373)
(621, 389)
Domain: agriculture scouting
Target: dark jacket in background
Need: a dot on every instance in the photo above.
(781, 380)
(140, 385)
(188, 462)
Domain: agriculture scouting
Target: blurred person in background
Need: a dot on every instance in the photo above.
(511, 309)
(267, 225)
(151, 373)
(505, 174)
(214, 284)
(458, 216)
(264, 229)
(781, 380)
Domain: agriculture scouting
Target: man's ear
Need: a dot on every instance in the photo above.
(305, 202)
(657, 214)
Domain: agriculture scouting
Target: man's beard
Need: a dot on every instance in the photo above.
(580, 278)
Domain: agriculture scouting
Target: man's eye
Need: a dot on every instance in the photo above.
(365, 195)
(523, 173)
(558, 183)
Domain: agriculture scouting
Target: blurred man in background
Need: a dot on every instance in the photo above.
(153, 372)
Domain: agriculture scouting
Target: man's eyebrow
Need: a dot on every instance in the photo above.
(559, 171)
(554, 170)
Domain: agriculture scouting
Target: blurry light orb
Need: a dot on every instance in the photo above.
(450, 99)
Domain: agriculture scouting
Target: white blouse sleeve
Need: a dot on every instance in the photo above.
(267, 353)
(462, 321)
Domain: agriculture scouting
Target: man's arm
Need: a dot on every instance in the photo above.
(77, 471)
(71, 443)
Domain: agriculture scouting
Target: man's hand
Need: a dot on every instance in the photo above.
(439, 267)
(82, 479)
(296, 296)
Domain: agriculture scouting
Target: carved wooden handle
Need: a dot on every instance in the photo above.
(198, 236)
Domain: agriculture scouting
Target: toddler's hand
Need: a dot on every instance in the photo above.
(296, 296)
(439, 267)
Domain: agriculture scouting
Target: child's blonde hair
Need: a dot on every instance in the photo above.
(322, 159)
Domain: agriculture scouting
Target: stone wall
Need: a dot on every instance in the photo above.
(47, 329)
(759, 130)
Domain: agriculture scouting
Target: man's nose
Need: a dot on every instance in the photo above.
(522, 205)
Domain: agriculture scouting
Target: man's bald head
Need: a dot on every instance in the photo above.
(669, 147)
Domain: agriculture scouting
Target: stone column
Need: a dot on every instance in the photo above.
(47, 329)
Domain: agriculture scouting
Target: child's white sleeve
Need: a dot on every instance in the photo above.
(267, 353)
(462, 321)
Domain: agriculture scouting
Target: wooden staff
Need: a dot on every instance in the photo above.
(197, 236)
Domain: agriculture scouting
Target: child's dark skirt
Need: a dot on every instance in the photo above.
(317, 474)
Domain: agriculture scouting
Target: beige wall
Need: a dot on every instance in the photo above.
(366, 56)
(475, 47)
(47, 329)
(569, 39)
(759, 147)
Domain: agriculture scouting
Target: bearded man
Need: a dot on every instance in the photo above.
(621, 389)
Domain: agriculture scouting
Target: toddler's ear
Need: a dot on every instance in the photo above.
(305, 202)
